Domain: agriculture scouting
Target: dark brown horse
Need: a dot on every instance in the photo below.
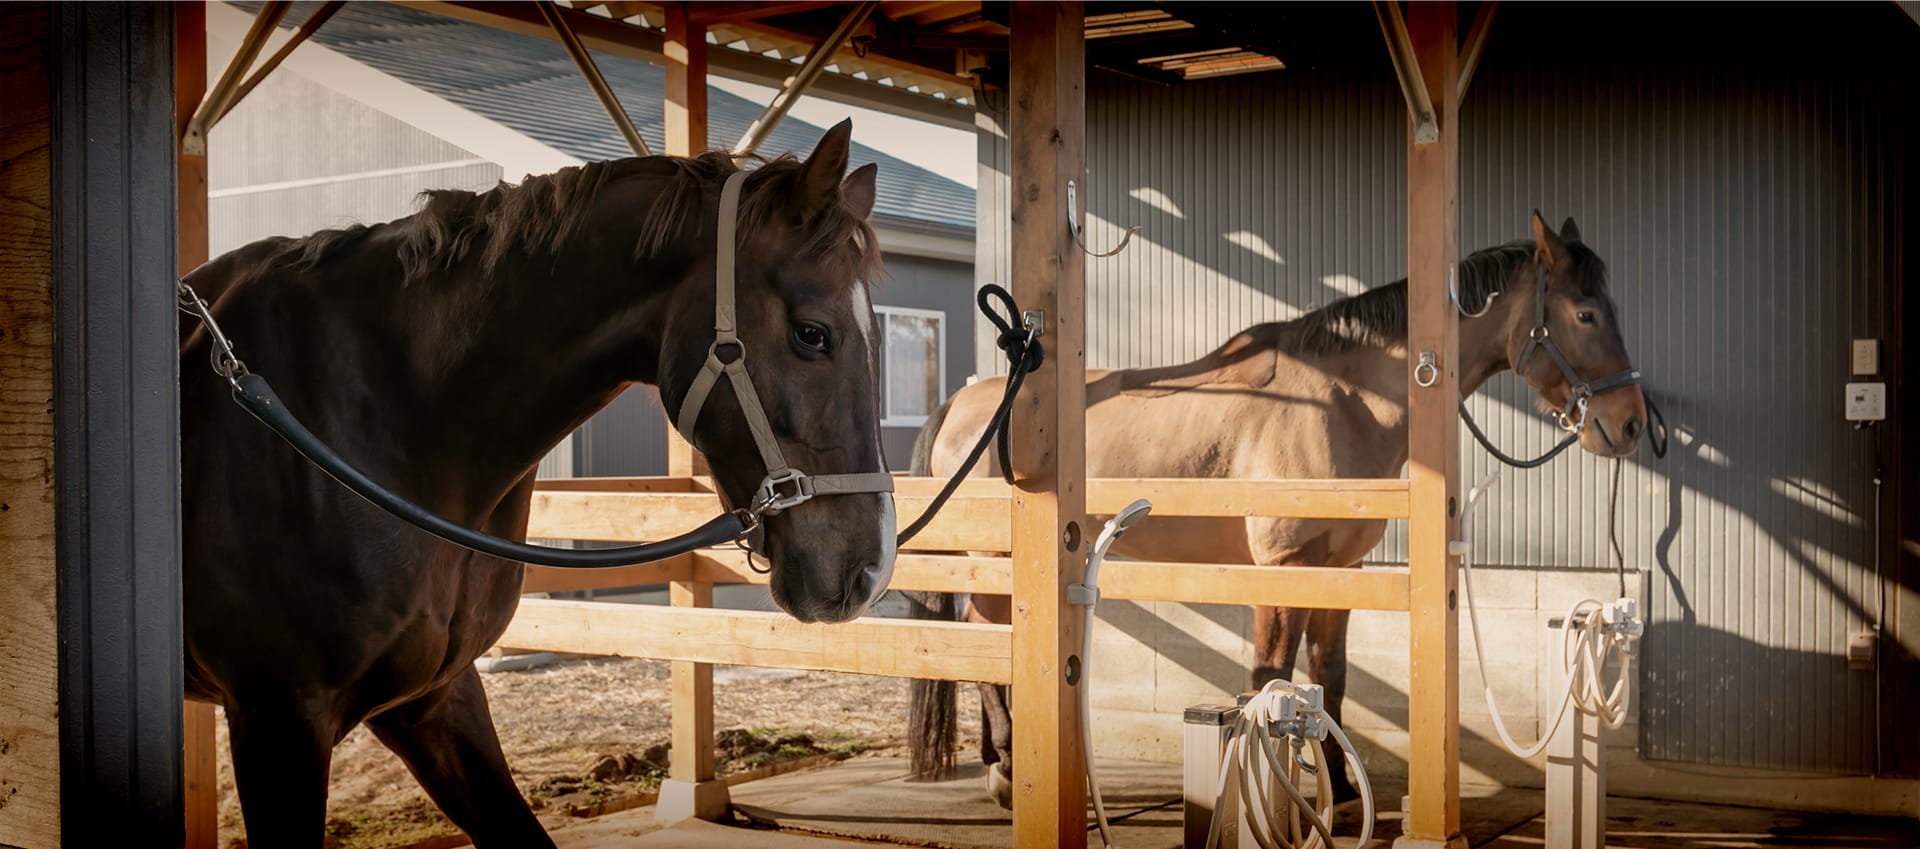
(444, 354)
(1322, 396)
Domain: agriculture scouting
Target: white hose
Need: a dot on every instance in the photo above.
(1583, 649)
(1254, 763)
(1263, 720)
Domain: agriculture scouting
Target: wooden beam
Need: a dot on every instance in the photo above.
(692, 697)
(966, 524)
(1433, 716)
(729, 11)
(1137, 580)
(29, 633)
(1282, 586)
(1048, 426)
(583, 62)
(1476, 44)
(1406, 65)
(198, 731)
(684, 52)
(543, 579)
(623, 484)
(901, 648)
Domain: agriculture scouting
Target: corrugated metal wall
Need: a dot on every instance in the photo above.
(1737, 194)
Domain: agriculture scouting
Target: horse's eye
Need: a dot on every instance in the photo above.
(1585, 316)
(812, 336)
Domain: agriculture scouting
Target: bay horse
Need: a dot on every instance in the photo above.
(444, 354)
(1321, 396)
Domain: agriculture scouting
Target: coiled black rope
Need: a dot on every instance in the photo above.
(1024, 354)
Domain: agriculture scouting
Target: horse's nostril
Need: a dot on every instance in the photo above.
(1631, 429)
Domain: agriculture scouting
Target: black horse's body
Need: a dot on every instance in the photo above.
(444, 355)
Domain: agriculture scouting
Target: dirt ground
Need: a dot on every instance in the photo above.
(594, 730)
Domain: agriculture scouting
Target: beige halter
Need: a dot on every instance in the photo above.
(770, 498)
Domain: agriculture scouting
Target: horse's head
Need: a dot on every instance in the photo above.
(804, 257)
(1566, 344)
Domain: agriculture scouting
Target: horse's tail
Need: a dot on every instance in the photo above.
(933, 726)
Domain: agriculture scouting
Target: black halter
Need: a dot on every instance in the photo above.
(1579, 391)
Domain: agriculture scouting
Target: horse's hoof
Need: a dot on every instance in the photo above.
(1000, 786)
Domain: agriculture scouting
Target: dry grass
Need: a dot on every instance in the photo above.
(558, 722)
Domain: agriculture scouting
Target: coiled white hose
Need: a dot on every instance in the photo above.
(1583, 649)
(1278, 715)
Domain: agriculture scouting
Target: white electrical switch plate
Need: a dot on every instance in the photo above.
(1866, 356)
(1866, 402)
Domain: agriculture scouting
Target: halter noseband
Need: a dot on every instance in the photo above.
(1579, 391)
(784, 486)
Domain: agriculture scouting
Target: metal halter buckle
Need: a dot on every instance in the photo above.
(770, 500)
(1567, 422)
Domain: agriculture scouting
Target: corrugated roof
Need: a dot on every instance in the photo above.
(530, 85)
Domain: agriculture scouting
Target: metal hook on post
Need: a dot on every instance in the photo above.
(1073, 226)
(1453, 291)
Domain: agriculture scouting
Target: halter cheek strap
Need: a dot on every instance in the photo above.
(784, 486)
(1573, 417)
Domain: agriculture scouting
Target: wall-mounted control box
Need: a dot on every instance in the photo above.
(1866, 402)
(1866, 357)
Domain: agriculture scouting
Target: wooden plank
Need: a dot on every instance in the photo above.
(1433, 722)
(29, 636)
(543, 579)
(726, 11)
(199, 736)
(1048, 426)
(1136, 580)
(903, 648)
(966, 524)
(624, 484)
(684, 52)
(1283, 586)
(952, 573)
(692, 759)
(1356, 498)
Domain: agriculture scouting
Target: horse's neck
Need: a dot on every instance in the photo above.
(537, 357)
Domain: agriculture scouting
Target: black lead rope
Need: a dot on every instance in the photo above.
(253, 393)
(1024, 354)
(1503, 456)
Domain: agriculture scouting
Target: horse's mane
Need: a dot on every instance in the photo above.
(1378, 317)
(542, 215)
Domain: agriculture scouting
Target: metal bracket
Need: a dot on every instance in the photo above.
(1426, 372)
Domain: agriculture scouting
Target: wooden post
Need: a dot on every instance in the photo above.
(685, 49)
(29, 632)
(1433, 717)
(691, 790)
(190, 83)
(1577, 779)
(1048, 426)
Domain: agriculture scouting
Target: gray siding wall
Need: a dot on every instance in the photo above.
(1742, 201)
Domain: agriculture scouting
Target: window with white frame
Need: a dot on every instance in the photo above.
(913, 364)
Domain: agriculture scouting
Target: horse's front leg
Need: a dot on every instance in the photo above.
(1327, 663)
(447, 740)
(281, 758)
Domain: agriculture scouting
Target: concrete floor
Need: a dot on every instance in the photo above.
(868, 802)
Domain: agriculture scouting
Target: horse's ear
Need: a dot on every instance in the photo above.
(1547, 246)
(860, 189)
(820, 176)
(1570, 232)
